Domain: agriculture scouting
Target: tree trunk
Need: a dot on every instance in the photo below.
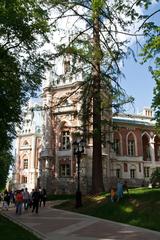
(97, 174)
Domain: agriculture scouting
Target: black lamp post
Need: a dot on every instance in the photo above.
(78, 149)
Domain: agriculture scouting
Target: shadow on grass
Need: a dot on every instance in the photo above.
(141, 208)
(10, 230)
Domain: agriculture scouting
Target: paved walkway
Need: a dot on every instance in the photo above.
(54, 224)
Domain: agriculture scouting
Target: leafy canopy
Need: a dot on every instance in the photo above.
(23, 31)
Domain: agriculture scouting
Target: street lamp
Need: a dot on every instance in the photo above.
(78, 149)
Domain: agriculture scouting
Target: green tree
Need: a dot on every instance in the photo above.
(155, 178)
(23, 32)
(97, 43)
(150, 52)
(6, 159)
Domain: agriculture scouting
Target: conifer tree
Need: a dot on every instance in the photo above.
(96, 40)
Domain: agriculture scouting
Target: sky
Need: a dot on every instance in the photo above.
(139, 84)
(138, 80)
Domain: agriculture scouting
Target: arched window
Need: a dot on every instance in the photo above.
(131, 145)
(146, 148)
(157, 148)
(25, 143)
(117, 143)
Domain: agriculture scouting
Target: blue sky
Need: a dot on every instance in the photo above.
(138, 81)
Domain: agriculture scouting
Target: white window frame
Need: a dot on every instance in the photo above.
(65, 141)
(65, 170)
(146, 172)
(116, 146)
(132, 173)
(131, 148)
(25, 163)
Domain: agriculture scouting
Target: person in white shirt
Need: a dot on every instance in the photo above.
(26, 198)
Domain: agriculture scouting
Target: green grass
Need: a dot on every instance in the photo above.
(141, 208)
(60, 197)
(11, 231)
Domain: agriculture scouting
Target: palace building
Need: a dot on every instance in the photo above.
(45, 151)
(28, 148)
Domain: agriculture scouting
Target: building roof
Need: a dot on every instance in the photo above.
(134, 119)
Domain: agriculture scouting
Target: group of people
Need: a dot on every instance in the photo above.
(117, 192)
(25, 200)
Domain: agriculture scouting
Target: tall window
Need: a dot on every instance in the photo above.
(131, 147)
(146, 148)
(25, 163)
(157, 148)
(66, 66)
(125, 167)
(66, 140)
(116, 146)
(146, 172)
(132, 173)
(118, 172)
(24, 179)
(65, 170)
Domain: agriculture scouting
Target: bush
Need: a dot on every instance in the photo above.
(155, 178)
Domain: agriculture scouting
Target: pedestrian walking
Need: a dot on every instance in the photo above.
(44, 196)
(41, 196)
(19, 202)
(26, 198)
(113, 194)
(6, 201)
(119, 191)
(35, 200)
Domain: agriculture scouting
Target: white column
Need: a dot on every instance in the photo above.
(47, 127)
(17, 163)
(33, 153)
(152, 150)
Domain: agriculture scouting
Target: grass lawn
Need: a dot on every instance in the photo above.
(141, 208)
(11, 231)
(60, 197)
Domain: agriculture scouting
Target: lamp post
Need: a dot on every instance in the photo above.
(78, 149)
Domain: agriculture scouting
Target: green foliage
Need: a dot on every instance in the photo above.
(10, 230)
(60, 197)
(150, 52)
(6, 160)
(155, 178)
(23, 31)
(96, 51)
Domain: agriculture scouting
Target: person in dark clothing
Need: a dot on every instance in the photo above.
(41, 196)
(35, 200)
(125, 187)
(44, 197)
